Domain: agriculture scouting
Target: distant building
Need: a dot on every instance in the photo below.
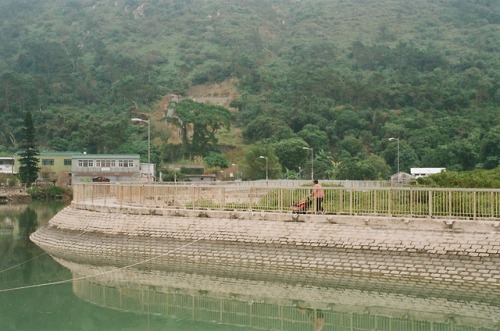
(422, 172)
(402, 178)
(103, 167)
(54, 167)
(7, 165)
(147, 170)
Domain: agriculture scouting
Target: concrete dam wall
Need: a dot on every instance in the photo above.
(444, 259)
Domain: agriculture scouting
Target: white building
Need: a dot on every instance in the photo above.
(422, 172)
(7, 165)
(105, 167)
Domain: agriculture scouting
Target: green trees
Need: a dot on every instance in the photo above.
(466, 179)
(303, 74)
(28, 168)
(356, 169)
(199, 124)
(490, 148)
(291, 154)
(255, 162)
(214, 159)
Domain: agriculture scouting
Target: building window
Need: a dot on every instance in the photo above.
(125, 163)
(67, 162)
(48, 162)
(7, 161)
(105, 163)
(85, 163)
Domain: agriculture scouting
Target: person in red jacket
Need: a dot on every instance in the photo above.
(318, 193)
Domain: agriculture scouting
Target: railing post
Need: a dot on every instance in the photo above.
(430, 203)
(223, 197)
(141, 194)
(411, 202)
(450, 203)
(389, 202)
(105, 188)
(119, 193)
(350, 202)
(341, 200)
(474, 207)
(155, 196)
(250, 197)
(281, 202)
(492, 202)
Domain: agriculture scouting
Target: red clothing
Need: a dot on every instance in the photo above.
(318, 192)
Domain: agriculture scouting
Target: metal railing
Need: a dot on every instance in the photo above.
(380, 201)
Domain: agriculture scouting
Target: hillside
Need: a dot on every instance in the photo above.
(338, 76)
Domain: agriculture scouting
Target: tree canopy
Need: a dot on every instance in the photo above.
(28, 168)
(304, 70)
(199, 124)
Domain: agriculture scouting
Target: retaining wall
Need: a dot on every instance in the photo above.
(451, 259)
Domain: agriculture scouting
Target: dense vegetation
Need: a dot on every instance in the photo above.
(338, 76)
(28, 168)
(478, 178)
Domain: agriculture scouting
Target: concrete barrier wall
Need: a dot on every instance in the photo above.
(406, 256)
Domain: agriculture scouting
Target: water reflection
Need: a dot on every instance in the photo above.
(148, 299)
(17, 222)
(265, 305)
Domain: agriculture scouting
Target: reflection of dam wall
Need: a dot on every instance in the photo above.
(389, 259)
(271, 305)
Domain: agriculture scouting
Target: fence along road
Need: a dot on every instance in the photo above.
(446, 203)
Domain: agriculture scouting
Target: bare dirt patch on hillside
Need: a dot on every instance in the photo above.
(215, 94)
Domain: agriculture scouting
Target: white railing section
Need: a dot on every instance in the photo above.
(379, 201)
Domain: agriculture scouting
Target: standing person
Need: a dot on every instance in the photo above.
(318, 192)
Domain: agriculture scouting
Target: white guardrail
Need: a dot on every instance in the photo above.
(378, 201)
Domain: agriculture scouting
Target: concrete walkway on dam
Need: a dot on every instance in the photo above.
(453, 259)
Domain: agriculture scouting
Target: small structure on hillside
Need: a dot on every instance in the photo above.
(423, 172)
(402, 177)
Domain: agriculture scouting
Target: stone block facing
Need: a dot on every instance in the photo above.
(447, 263)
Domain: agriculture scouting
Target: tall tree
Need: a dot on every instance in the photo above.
(199, 124)
(28, 169)
(291, 154)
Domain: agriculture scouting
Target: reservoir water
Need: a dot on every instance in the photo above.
(40, 293)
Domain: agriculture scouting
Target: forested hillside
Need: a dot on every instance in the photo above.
(338, 76)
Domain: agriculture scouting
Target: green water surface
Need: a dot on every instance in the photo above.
(27, 303)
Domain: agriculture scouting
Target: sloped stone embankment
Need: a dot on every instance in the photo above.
(442, 262)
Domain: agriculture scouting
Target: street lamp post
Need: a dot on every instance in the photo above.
(397, 139)
(148, 121)
(267, 166)
(312, 161)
